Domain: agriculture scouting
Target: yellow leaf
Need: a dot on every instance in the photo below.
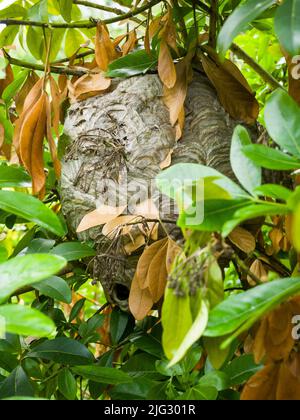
(166, 67)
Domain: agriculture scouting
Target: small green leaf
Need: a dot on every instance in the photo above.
(241, 165)
(287, 26)
(200, 393)
(132, 64)
(274, 191)
(62, 350)
(282, 116)
(102, 375)
(32, 209)
(27, 269)
(13, 176)
(236, 310)
(56, 288)
(241, 369)
(73, 251)
(67, 384)
(26, 321)
(270, 158)
(76, 309)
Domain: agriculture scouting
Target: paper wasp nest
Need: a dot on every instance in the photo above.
(125, 134)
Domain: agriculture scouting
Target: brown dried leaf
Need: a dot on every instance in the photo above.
(9, 77)
(276, 236)
(259, 348)
(233, 89)
(288, 387)
(118, 223)
(166, 67)
(130, 43)
(140, 300)
(135, 244)
(172, 252)
(243, 239)
(52, 145)
(102, 215)
(262, 386)
(259, 270)
(167, 161)
(21, 95)
(56, 102)
(89, 85)
(104, 48)
(157, 274)
(32, 135)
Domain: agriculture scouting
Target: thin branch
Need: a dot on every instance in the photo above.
(213, 21)
(108, 9)
(77, 57)
(267, 77)
(91, 24)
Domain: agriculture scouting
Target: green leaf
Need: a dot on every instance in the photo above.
(40, 246)
(241, 165)
(287, 26)
(13, 176)
(13, 11)
(8, 35)
(73, 251)
(241, 369)
(26, 321)
(31, 209)
(296, 228)
(132, 64)
(65, 7)
(136, 390)
(16, 384)
(118, 323)
(282, 116)
(39, 11)
(74, 38)
(270, 158)
(200, 393)
(10, 91)
(67, 384)
(76, 309)
(193, 334)
(232, 313)
(215, 379)
(62, 350)
(27, 269)
(103, 375)
(237, 22)
(3, 254)
(176, 316)
(274, 191)
(35, 42)
(56, 288)
(4, 120)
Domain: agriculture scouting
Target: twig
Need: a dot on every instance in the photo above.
(91, 24)
(267, 77)
(213, 23)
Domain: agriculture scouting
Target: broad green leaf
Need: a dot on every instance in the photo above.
(282, 116)
(274, 191)
(8, 361)
(57, 40)
(62, 350)
(241, 165)
(216, 213)
(193, 334)
(102, 375)
(26, 321)
(10, 91)
(74, 38)
(16, 384)
(176, 316)
(200, 393)
(8, 35)
(40, 246)
(132, 64)
(241, 369)
(65, 7)
(253, 211)
(141, 364)
(216, 355)
(118, 323)
(135, 390)
(236, 310)
(238, 21)
(181, 175)
(35, 42)
(13, 11)
(76, 309)
(67, 384)
(73, 251)
(14, 176)
(215, 379)
(56, 288)
(28, 269)
(270, 158)
(39, 11)
(287, 26)
(31, 209)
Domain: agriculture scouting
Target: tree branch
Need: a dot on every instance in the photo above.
(213, 21)
(91, 24)
(267, 77)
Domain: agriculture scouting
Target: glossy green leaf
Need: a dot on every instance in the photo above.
(101, 374)
(65, 7)
(132, 64)
(16, 384)
(200, 393)
(62, 350)
(14, 176)
(237, 22)
(32, 210)
(73, 251)
(26, 321)
(8, 35)
(233, 312)
(282, 115)
(270, 158)
(241, 165)
(274, 191)
(287, 26)
(241, 369)
(74, 38)
(13, 11)
(56, 288)
(67, 384)
(215, 379)
(28, 269)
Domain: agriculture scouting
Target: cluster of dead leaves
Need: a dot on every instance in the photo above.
(280, 235)
(274, 343)
(151, 276)
(38, 115)
(232, 88)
